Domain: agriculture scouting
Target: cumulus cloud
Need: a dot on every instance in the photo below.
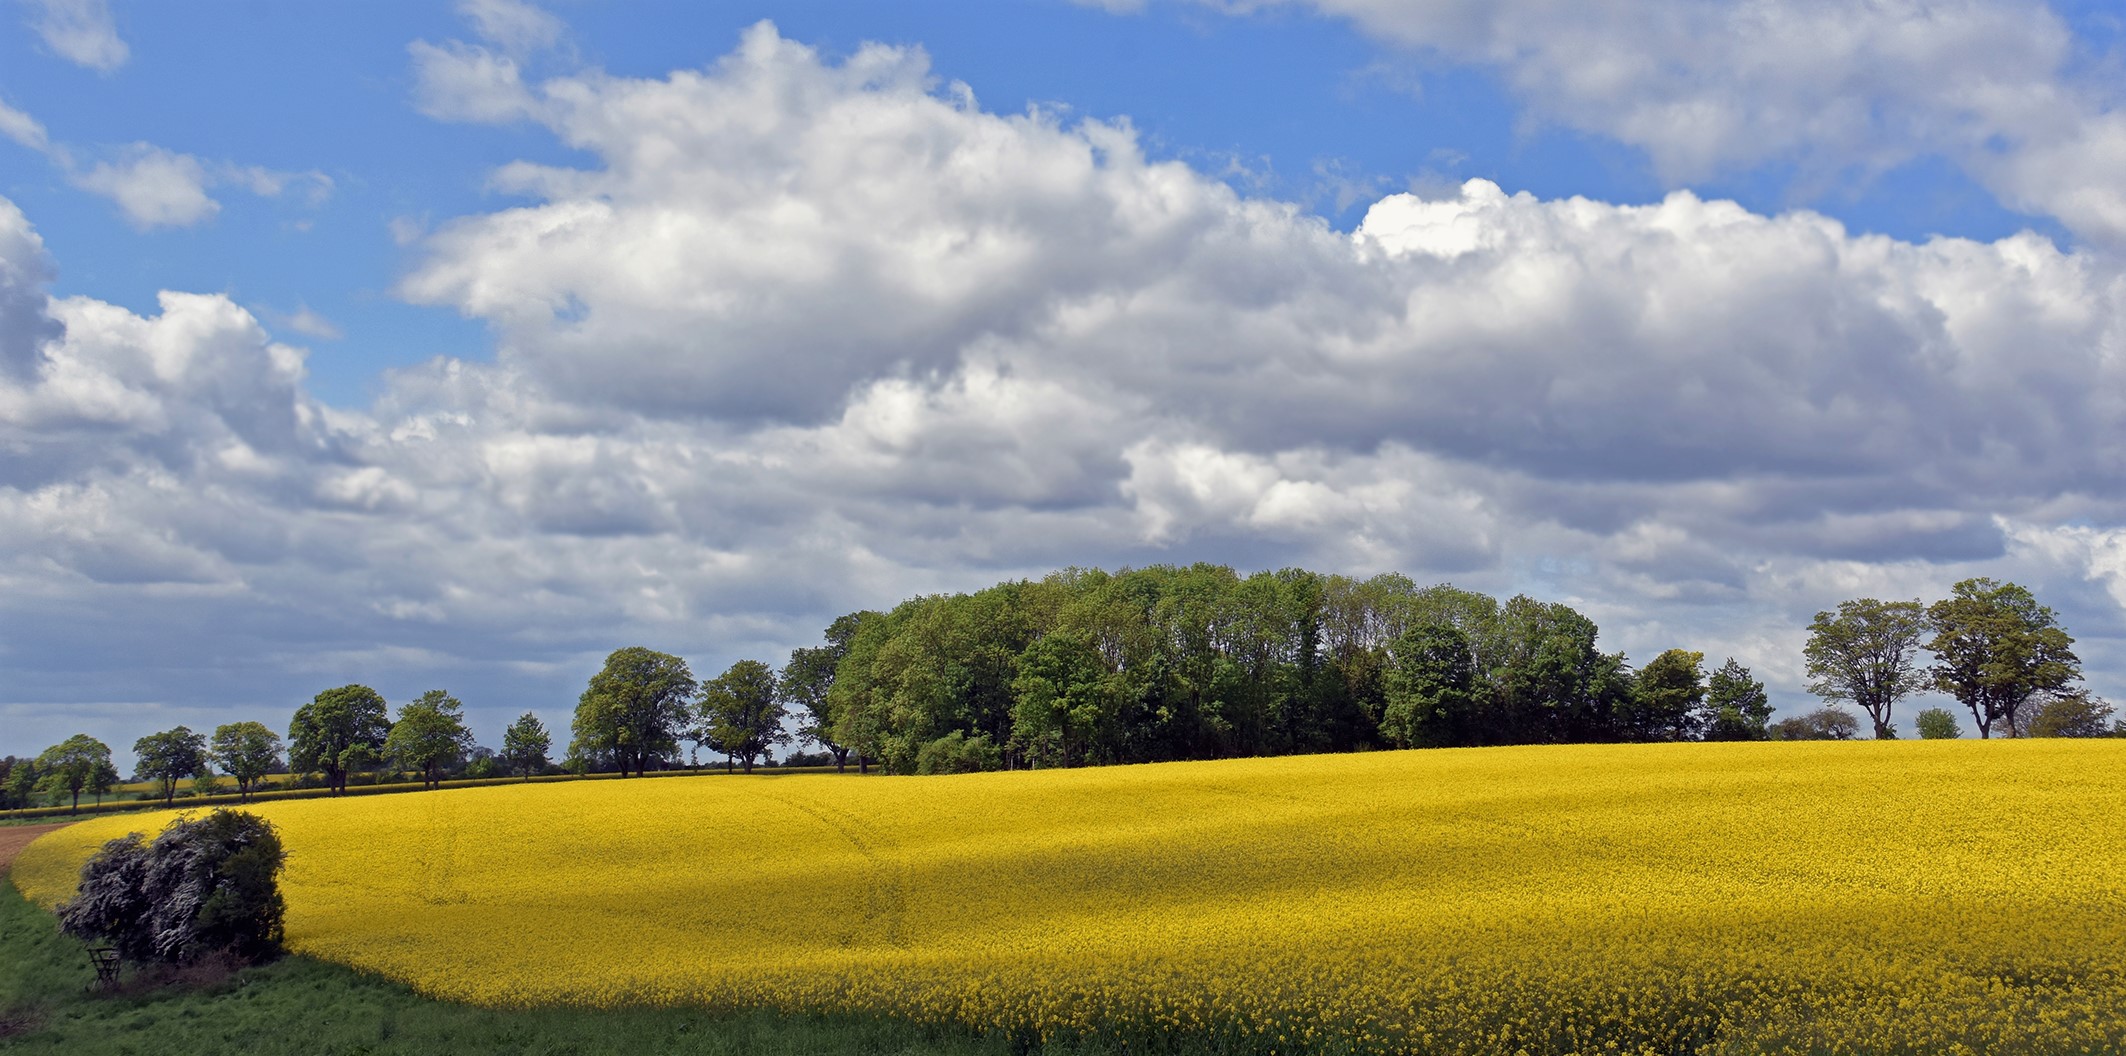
(1708, 86)
(807, 335)
(81, 32)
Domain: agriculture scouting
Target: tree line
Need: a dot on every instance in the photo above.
(1086, 667)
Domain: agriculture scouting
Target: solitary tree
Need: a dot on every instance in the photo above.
(634, 708)
(1736, 708)
(342, 730)
(169, 757)
(1666, 696)
(1936, 724)
(248, 751)
(72, 765)
(429, 736)
(740, 712)
(1997, 651)
(525, 744)
(1868, 653)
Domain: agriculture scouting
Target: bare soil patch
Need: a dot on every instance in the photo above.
(13, 838)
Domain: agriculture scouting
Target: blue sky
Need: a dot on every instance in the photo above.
(1891, 362)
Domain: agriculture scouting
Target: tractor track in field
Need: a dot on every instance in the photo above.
(887, 905)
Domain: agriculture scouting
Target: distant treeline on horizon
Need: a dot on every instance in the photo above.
(1085, 667)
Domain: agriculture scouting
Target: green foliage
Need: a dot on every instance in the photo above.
(632, 712)
(75, 764)
(957, 753)
(1736, 707)
(339, 732)
(1666, 697)
(203, 886)
(1431, 694)
(807, 681)
(429, 736)
(483, 767)
(2072, 714)
(1087, 667)
(524, 746)
(169, 757)
(1823, 724)
(1998, 651)
(1937, 724)
(247, 751)
(740, 712)
(1867, 653)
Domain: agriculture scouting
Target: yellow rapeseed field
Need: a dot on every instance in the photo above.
(1902, 897)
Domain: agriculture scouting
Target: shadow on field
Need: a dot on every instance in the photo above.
(300, 1007)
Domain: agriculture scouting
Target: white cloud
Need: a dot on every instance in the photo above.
(517, 28)
(156, 187)
(804, 336)
(1710, 86)
(82, 32)
(22, 128)
(153, 187)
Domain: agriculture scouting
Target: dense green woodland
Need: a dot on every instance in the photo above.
(1087, 667)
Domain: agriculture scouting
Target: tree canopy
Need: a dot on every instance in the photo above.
(1867, 653)
(741, 713)
(247, 751)
(524, 746)
(634, 709)
(77, 763)
(169, 757)
(1997, 650)
(341, 730)
(429, 735)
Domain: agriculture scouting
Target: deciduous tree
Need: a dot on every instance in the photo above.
(741, 713)
(2074, 713)
(429, 736)
(1736, 707)
(634, 708)
(248, 751)
(73, 765)
(1430, 689)
(169, 757)
(1998, 651)
(342, 730)
(525, 744)
(1823, 724)
(1868, 653)
(1666, 696)
(1937, 724)
(808, 680)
